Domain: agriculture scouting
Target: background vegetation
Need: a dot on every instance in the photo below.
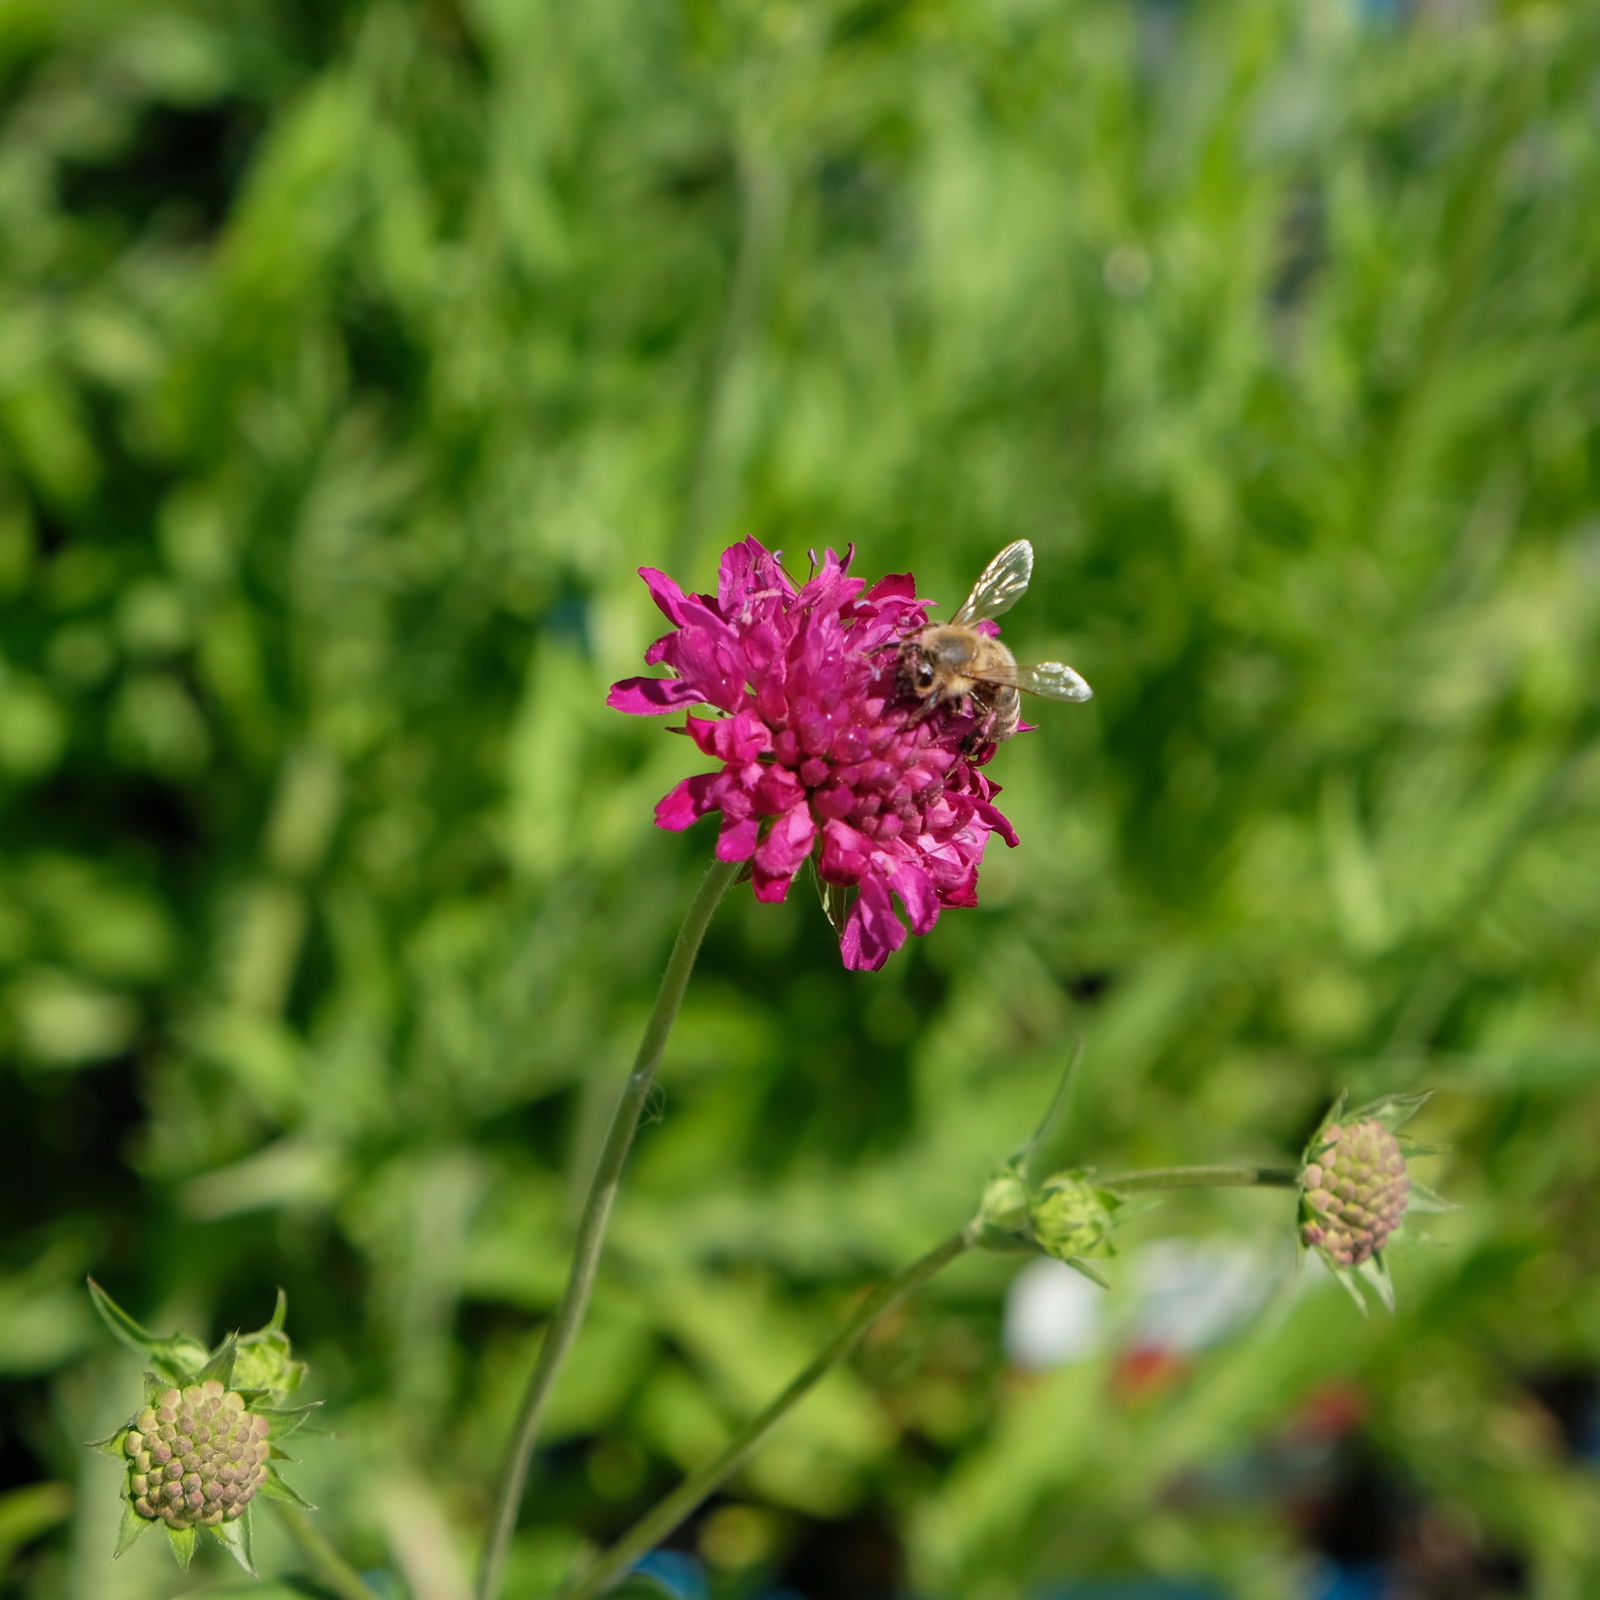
(352, 358)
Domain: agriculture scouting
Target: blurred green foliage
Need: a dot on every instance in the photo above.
(351, 359)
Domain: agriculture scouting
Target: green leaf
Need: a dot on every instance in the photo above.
(274, 1488)
(129, 1529)
(220, 1363)
(234, 1537)
(183, 1541)
(28, 1512)
(112, 1445)
(1419, 1197)
(133, 1334)
(1394, 1111)
(836, 900)
(1375, 1272)
(1083, 1269)
(175, 1355)
(281, 1423)
(1029, 1157)
(280, 1313)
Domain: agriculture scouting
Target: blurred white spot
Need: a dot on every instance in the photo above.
(1053, 1316)
(1193, 1292)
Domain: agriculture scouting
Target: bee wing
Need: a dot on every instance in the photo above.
(1050, 680)
(1053, 680)
(1003, 582)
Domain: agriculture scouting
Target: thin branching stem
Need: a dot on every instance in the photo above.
(1232, 1176)
(330, 1569)
(592, 1225)
(667, 1513)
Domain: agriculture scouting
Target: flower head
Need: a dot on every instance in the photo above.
(820, 755)
(1354, 1194)
(204, 1445)
(196, 1455)
(1355, 1190)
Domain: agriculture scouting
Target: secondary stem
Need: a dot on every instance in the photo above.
(1238, 1176)
(592, 1224)
(666, 1514)
(332, 1571)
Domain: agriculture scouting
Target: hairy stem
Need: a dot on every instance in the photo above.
(667, 1513)
(330, 1569)
(1235, 1176)
(603, 1186)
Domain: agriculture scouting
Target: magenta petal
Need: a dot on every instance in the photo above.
(788, 842)
(894, 586)
(680, 609)
(771, 888)
(872, 932)
(998, 822)
(916, 892)
(653, 697)
(737, 841)
(686, 803)
(846, 853)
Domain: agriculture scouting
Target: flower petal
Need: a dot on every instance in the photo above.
(687, 803)
(788, 842)
(917, 895)
(872, 932)
(653, 697)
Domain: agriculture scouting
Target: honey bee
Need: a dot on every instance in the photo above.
(953, 662)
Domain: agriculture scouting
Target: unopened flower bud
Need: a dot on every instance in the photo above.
(1352, 1191)
(196, 1456)
(1006, 1200)
(1069, 1218)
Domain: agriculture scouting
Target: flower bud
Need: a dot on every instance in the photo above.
(1006, 1200)
(196, 1456)
(1069, 1217)
(1352, 1192)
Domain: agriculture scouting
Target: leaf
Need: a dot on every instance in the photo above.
(220, 1363)
(175, 1355)
(1375, 1271)
(281, 1423)
(130, 1528)
(183, 1541)
(274, 1488)
(836, 900)
(112, 1445)
(1394, 1111)
(1083, 1269)
(234, 1537)
(280, 1313)
(1055, 1114)
(1419, 1197)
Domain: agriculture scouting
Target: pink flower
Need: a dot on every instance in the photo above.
(818, 752)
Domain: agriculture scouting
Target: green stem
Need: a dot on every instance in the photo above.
(666, 1514)
(592, 1224)
(1236, 1176)
(330, 1569)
